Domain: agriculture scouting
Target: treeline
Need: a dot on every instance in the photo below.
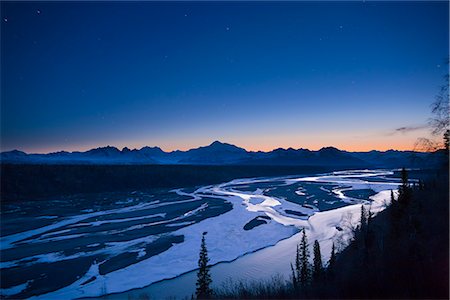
(402, 252)
(31, 182)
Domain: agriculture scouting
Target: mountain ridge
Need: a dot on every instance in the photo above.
(220, 153)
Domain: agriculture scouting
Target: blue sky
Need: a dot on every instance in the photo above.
(260, 75)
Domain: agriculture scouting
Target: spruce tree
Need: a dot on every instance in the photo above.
(296, 271)
(332, 260)
(392, 197)
(305, 272)
(369, 219)
(363, 220)
(294, 277)
(318, 266)
(297, 267)
(404, 194)
(203, 290)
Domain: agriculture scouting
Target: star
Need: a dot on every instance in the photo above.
(38, 12)
(5, 19)
(185, 15)
(227, 28)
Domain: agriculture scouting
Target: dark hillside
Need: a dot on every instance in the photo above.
(32, 181)
(405, 253)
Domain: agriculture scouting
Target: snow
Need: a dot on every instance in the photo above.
(110, 248)
(47, 217)
(14, 290)
(300, 193)
(8, 241)
(226, 241)
(55, 233)
(263, 264)
(322, 227)
(141, 253)
(226, 238)
(58, 238)
(180, 224)
(98, 223)
(325, 190)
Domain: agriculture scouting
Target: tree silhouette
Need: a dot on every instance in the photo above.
(439, 123)
(318, 266)
(203, 284)
(296, 271)
(363, 219)
(294, 277)
(441, 110)
(302, 272)
(392, 197)
(305, 272)
(331, 261)
(404, 191)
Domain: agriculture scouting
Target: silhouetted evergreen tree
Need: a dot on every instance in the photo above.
(318, 266)
(404, 191)
(203, 290)
(363, 219)
(331, 262)
(296, 271)
(298, 265)
(294, 277)
(392, 197)
(369, 218)
(305, 271)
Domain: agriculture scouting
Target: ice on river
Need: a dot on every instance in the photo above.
(282, 201)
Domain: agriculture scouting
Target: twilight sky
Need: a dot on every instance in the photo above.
(354, 75)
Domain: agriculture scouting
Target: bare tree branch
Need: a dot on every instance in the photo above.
(441, 110)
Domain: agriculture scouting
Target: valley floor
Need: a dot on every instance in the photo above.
(128, 241)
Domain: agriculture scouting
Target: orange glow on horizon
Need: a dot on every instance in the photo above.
(351, 146)
(353, 140)
(346, 146)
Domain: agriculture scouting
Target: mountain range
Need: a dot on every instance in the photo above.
(219, 153)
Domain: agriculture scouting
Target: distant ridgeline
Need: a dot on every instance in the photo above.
(226, 154)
